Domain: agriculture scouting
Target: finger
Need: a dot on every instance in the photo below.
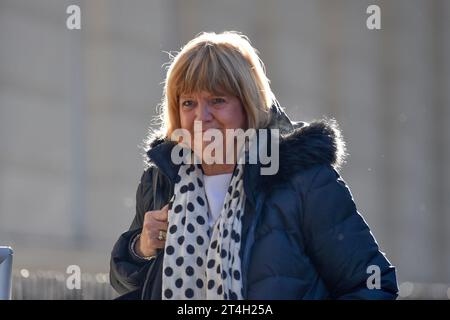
(154, 226)
(165, 209)
(147, 215)
(151, 238)
(162, 214)
(157, 225)
(155, 240)
(154, 215)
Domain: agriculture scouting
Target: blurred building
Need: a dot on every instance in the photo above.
(75, 105)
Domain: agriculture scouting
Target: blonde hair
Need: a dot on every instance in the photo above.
(224, 63)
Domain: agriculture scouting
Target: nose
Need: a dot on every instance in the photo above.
(203, 112)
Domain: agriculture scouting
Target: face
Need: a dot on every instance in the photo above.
(213, 112)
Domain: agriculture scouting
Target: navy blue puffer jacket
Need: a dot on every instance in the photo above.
(302, 236)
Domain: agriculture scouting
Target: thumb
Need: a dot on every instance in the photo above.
(162, 214)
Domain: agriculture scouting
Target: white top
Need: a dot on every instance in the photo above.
(216, 188)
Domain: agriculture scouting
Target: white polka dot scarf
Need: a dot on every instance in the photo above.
(198, 264)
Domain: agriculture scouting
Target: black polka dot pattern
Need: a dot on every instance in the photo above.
(200, 201)
(199, 262)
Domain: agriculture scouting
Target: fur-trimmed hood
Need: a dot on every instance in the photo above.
(302, 145)
(309, 144)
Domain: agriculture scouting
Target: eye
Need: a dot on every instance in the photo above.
(218, 100)
(187, 103)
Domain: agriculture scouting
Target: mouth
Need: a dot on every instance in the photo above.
(204, 130)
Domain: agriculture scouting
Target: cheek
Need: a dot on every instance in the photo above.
(232, 118)
(185, 121)
(239, 118)
(243, 119)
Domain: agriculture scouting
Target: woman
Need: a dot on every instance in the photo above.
(223, 229)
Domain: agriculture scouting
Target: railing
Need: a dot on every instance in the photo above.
(52, 285)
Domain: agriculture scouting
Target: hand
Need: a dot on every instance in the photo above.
(154, 221)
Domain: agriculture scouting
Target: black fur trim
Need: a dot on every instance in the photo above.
(315, 143)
